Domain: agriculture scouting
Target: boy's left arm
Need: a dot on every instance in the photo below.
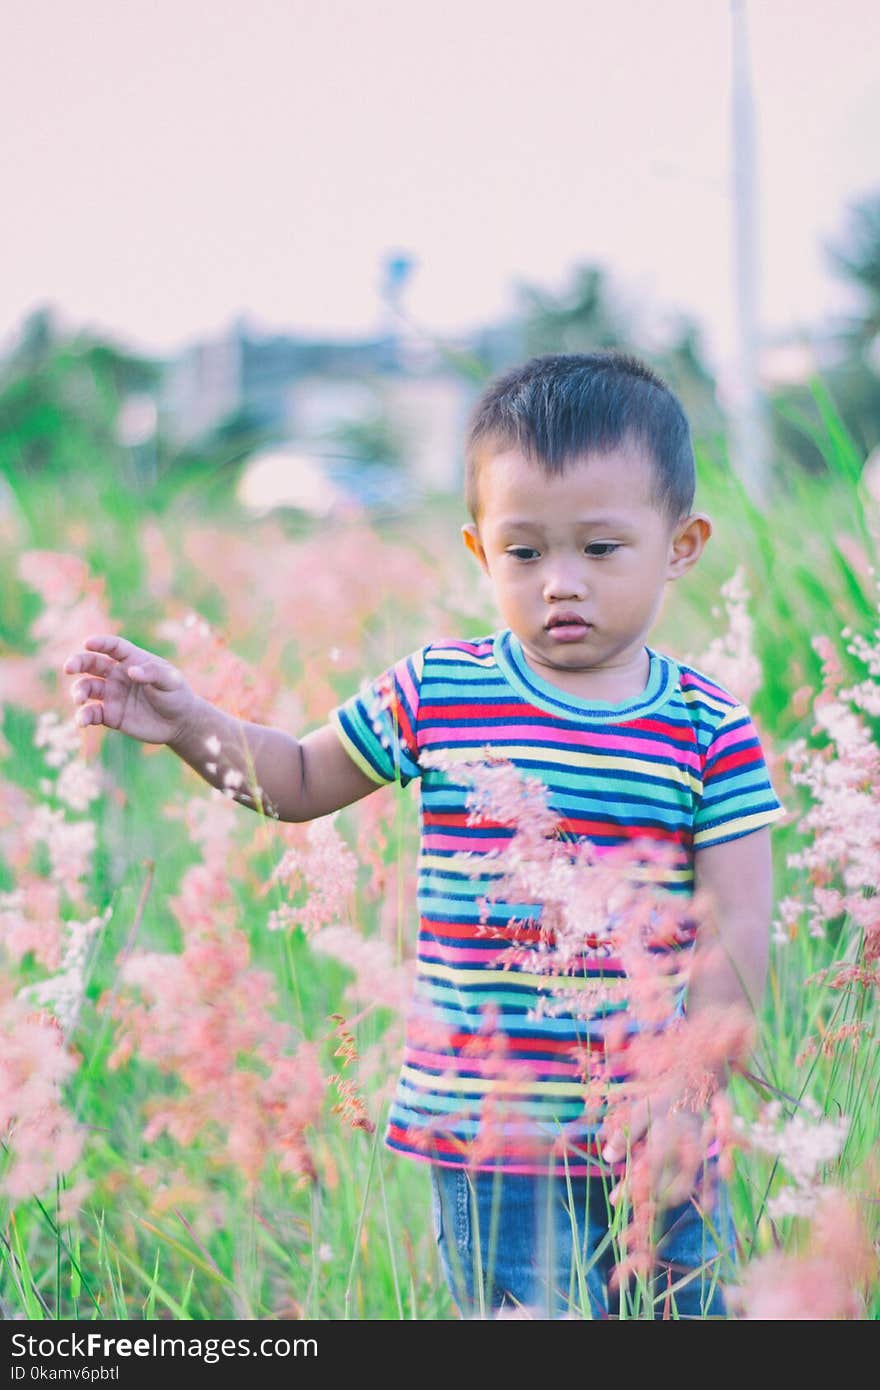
(734, 881)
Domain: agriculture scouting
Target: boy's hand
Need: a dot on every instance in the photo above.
(129, 689)
(667, 1141)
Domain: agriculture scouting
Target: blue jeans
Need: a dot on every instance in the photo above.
(507, 1240)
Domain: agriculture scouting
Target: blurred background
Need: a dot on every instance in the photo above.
(265, 254)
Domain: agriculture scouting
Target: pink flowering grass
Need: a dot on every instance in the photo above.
(213, 1132)
(832, 1275)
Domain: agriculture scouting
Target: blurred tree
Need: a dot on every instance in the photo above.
(35, 340)
(204, 472)
(853, 376)
(859, 262)
(582, 319)
(586, 318)
(683, 366)
(60, 400)
(373, 439)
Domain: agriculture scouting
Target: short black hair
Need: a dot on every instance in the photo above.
(561, 406)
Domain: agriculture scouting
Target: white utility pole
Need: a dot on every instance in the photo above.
(750, 438)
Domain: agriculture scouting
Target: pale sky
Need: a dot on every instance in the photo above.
(169, 165)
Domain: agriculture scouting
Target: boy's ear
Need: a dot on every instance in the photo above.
(471, 538)
(687, 544)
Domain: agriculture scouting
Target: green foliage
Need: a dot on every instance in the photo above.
(59, 402)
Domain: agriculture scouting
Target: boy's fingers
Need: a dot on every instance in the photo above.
(157, 673)
(92, 662)
(89, 714)
(616, 1142)
(84, 689)
(140, 667)
(108, 642)
(671, 1184)
(100, 655)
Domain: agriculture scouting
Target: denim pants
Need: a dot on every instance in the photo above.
(543, 1243)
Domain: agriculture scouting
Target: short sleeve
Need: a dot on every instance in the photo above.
(378, 727)
(737, 795)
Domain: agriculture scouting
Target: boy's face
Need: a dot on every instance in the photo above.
(587, 547)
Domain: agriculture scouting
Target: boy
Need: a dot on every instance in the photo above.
(580, 481)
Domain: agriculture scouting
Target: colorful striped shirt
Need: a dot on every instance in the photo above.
(681, 765)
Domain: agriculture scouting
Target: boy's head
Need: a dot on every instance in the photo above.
(580, 479)
(560, 408)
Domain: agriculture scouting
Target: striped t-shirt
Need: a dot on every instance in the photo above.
(680, 765)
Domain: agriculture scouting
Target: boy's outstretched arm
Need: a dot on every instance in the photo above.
(301, 779)
(125, 687)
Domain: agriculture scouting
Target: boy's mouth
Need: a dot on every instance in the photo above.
(567, 627)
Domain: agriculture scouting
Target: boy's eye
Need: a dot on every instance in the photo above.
(602, 548)
(521, 552)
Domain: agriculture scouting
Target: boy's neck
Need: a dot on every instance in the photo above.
(614, 685)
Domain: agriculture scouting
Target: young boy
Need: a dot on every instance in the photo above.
(580, 482)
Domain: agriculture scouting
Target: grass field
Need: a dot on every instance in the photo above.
(169, 1158)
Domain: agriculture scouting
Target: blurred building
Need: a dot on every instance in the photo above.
(304, 392)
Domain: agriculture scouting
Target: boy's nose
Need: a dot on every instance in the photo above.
(565, 582)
